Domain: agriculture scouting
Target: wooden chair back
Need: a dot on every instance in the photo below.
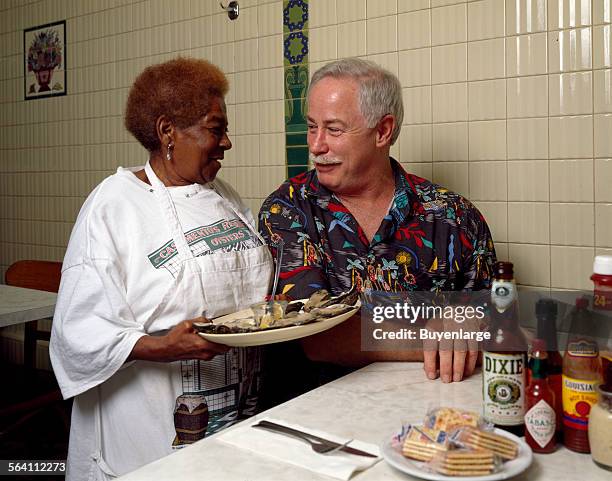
(41, 275)
(32, 274)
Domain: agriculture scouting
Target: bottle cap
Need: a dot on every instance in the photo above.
(504, 268)
(603, 265)
(538, 345)
(546, 309)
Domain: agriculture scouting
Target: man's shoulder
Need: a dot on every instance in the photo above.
(431, 198)
(293, 190)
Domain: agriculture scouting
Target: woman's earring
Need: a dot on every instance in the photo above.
(169, 152)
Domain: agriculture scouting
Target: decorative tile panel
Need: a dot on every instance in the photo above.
(295, 51)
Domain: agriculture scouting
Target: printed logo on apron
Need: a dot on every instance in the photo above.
(224, 235)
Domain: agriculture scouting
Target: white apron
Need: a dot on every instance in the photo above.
(127, 421)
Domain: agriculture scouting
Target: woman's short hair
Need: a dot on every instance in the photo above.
(380, 92)
(181, 89)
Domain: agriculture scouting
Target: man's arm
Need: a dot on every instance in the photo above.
(342, 345)
(459, 361)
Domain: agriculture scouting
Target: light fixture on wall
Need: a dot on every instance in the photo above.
(232, 9)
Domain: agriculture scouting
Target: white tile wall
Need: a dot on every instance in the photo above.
(488, 182)
(450, 141)
(528, 181)
(449, 24)
(527, 96)
(601, 11)
(525, 16)
(54, 151)
(571, 180)
(350, 10)
(486, 19)
(487, 140)
(487, 100)
(568, 14)
(507, 101)
(449, 63)
(526, 55)
(414, 29)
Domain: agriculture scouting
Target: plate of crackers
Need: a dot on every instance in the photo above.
(456, 444)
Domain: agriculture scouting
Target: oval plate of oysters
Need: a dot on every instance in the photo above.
(278, 321)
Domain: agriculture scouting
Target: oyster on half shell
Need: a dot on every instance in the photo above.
(321, 305)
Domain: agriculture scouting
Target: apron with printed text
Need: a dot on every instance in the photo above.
(202, 397)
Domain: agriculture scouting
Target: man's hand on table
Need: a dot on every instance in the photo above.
(457, 358)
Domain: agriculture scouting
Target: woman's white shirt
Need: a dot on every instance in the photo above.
(120, 267)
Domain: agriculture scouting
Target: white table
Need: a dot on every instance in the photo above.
(369, 405)
(19, 305)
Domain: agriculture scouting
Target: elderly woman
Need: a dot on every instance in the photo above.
(152, 251)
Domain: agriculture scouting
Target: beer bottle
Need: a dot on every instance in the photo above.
(504, 356)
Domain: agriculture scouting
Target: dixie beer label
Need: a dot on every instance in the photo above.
(579, 396)
(504, 388)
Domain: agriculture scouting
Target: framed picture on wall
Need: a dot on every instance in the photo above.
(44, 57)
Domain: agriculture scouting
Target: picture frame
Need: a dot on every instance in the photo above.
(44, 61)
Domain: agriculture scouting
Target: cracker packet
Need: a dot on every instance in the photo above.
(474, 438)
(447, 419)
(422, 443)
(464, 462)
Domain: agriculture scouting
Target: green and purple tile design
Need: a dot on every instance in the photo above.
(295, 50)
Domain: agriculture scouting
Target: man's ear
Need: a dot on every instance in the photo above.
(165, 130)
(384, 130)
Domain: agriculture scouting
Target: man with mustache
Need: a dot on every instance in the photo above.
(366, 218)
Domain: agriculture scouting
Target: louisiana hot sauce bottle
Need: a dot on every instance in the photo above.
(581, 373)
(504, 356)
(540, 416)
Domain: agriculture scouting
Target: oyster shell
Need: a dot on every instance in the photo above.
(230, 327)
(349, 298)
(330, 311)
(316, 299)
(295, 306)
(296, 320)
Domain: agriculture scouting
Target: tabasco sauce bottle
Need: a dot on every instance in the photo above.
(540, 418)
(505, 356)
(546, 329)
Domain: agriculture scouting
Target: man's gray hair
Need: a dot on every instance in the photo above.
(380, 92)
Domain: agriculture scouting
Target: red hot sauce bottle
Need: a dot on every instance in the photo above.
(602, 301)
(540, 418)
(546, 314)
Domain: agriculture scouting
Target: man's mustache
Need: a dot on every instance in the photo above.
(322, 160)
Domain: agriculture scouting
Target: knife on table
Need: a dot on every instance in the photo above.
(270, 426)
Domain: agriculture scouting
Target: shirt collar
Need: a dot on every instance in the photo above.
(405, 193)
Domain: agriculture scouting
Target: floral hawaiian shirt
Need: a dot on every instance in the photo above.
(431, 239)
